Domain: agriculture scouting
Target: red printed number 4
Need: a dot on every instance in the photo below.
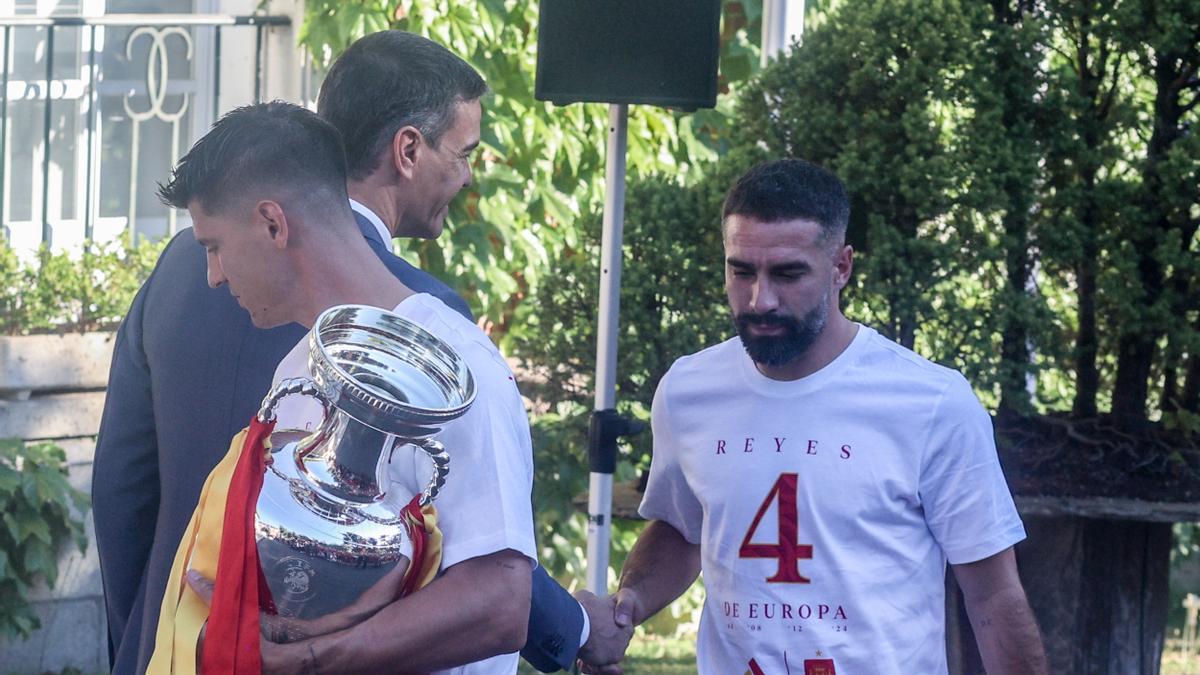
(788, 551)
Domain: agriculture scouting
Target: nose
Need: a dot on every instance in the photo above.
(216, 277)
(467, 175)
(763, 298)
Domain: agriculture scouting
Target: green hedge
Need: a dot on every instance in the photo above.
(61, 292)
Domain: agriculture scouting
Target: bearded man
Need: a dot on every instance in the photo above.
(819, 474)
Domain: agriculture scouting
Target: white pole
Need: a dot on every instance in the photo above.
(600, 484)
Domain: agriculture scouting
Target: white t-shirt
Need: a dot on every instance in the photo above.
(884, 467)
(485, 504)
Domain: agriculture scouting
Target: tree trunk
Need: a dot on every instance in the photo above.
(1018, 76)
(1014, 346)
(1091, 72)
(1087, 345)
(1170, 393)
(1135, 355)
(908, 328)
(1098, 589)
(1137, 345)
(1087, 376)
(1190, 401)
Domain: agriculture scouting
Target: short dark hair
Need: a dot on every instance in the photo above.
(389, 80)
(791, 189)
(274, 145)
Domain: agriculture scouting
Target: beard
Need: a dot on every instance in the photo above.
(798, 335)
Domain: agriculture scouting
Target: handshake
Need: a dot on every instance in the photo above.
(612, 621)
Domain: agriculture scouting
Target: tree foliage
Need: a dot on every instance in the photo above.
(1087, 175)
(1025, 187)
(879, 93)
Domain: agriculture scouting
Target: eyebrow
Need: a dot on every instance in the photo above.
(789, 266)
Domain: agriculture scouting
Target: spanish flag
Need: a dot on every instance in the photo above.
(219, 544)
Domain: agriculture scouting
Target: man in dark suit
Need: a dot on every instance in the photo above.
(189, 369)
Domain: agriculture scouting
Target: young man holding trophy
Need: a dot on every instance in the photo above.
(266, 191)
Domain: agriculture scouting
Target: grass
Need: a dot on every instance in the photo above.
(1174, 662)
(653, 655)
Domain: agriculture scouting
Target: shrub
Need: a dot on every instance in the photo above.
(71, 292)
(37, 503)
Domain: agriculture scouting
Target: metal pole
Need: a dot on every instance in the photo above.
(600, 484)
(258, 63)
(46, 233)
(216, 108)
(88, 225)
(4, 128)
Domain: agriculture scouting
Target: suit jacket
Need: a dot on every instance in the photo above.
(188, 371)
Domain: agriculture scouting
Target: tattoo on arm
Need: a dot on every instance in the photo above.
(310, 664)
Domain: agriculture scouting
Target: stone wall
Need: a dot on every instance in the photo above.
(52, 388)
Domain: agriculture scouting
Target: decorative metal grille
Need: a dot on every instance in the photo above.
(98, 111)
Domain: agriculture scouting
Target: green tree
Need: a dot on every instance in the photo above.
(1001, 151)
(1022, 175)
(1164, 223)
(871, 95)
(1086, 111)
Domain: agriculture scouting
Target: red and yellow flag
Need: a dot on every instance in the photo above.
(219, 544)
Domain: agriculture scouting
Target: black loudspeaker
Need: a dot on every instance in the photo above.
(660, 52)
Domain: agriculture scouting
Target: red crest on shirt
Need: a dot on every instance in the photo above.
(819, 667)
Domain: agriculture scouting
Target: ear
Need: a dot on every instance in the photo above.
(272, 221)
(843, 265)
(406, 150)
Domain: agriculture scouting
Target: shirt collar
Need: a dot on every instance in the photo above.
(384, 235)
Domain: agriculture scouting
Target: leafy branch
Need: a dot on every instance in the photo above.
(40, 512)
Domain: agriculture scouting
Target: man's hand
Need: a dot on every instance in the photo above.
(204, 588)
(623, 607)
(626, 606)
(607, 640)
(282, 629)
(272, 627)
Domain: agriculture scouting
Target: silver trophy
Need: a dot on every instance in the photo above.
(328, 532)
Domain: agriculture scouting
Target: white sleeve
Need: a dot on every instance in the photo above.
(967, 503)
(485, 506)
(669, 497)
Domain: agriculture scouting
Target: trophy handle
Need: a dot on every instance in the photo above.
(293, 385)
(441, 467)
